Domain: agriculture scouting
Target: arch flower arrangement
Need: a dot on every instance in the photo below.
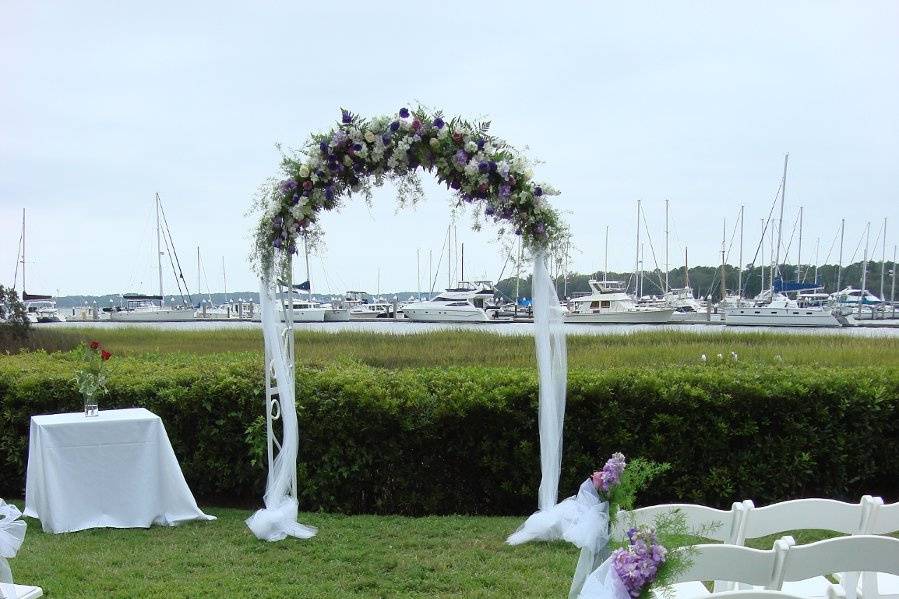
(358, 155)
(355, 156)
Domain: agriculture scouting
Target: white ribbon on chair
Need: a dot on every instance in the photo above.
(604, 583)
(12, 534)
(278, 519)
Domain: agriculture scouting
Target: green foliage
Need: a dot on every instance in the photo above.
(14, 323)
(464, 439)
(636, 476)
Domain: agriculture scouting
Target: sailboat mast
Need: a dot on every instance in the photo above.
(817, 247)
(666, 246)
(893, 286)
(199, 292)
(723, 241)
(224, 279)
(883, 257)
(740, 269)
(840, 268)
(159, 252)
(762, 256)
(637, 261)
(861, 296)
(23, 254)
(517, 275)
(799, 249)
(780, 222)
(463, 260)
(418, 272)
(605, 266)
(686, 269)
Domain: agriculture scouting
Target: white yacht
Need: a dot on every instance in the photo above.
(42, 308)
(303, 311)
(468, 302)
(149, 308)
(362, 306)
(336, 313)
(780, 312)
(609, 304)
(849, 298)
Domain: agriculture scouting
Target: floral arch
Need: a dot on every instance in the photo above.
(354, 157)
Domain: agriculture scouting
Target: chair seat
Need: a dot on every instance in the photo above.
(888, 585)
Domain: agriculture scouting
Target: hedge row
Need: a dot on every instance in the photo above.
(464, 440)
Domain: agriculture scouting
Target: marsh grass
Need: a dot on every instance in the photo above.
(482, 348)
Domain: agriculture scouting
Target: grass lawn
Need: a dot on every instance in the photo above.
(467, 348)
(352, 556)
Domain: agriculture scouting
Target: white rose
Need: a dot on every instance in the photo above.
(434, 142)
(369, 137)
(304, 171)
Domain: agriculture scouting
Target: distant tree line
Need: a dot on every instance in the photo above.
(706, 280)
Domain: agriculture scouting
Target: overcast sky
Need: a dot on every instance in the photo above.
(104, 104)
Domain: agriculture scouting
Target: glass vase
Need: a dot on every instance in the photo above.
(90, 405)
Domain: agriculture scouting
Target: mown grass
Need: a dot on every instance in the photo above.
(462, 348)
(352, 556)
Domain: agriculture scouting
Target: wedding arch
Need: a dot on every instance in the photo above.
(354, 157)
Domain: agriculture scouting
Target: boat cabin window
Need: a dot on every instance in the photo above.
(605, 304)
(594, 304)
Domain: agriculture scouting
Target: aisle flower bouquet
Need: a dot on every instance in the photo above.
(91, 378)
(650, 559)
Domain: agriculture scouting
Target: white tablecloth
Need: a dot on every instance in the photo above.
(114, 470)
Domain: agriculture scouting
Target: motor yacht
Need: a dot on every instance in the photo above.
(467, 302)
(608, 303)
(780, 312)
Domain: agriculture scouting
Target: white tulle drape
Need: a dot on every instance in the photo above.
(604, 583)
(552, 368)
(12, 534)
(278, 519)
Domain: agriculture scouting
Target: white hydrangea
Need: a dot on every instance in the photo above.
(471, 147)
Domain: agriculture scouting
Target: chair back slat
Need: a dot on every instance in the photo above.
(732, 563)
(860, 553)
(827, 514)
(714, 524)
(885, 519)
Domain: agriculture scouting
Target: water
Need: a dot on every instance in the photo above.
(504, 328)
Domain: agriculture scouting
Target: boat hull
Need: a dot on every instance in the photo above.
(337, 315)
(779, 317)
(445, 315)
(623, 317)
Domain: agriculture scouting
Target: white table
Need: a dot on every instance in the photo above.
(114, 470)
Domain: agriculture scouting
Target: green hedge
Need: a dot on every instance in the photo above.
(464, 440)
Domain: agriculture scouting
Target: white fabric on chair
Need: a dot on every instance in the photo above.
(115, 470)
(12, 534)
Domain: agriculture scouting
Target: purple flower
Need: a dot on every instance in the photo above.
(385, 139)
(287, 185)
(489, 210)
(504, 190)
(484, 166)
(456, 184)
(277, 222)
(323, 146)
(329, 192)
(278, 243)
(540, 229)
(295, 199)
(492, 166)
(480, 144)
(357, 147)
(394, 126)
(346, 116)
(610, 474)
(438, 123)
(538, 191)
(404, 113)
(461, 157)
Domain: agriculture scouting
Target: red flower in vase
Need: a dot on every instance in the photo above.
(105, 355)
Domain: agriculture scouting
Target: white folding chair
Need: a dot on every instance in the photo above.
(761, 567)
(753, 594)
(21, 591)
(798, 514)
(859, 553)
(880, 585)
(718, 525)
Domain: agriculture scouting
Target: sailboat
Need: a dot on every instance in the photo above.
(151, 308)
(780, 311)
(39, 308)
